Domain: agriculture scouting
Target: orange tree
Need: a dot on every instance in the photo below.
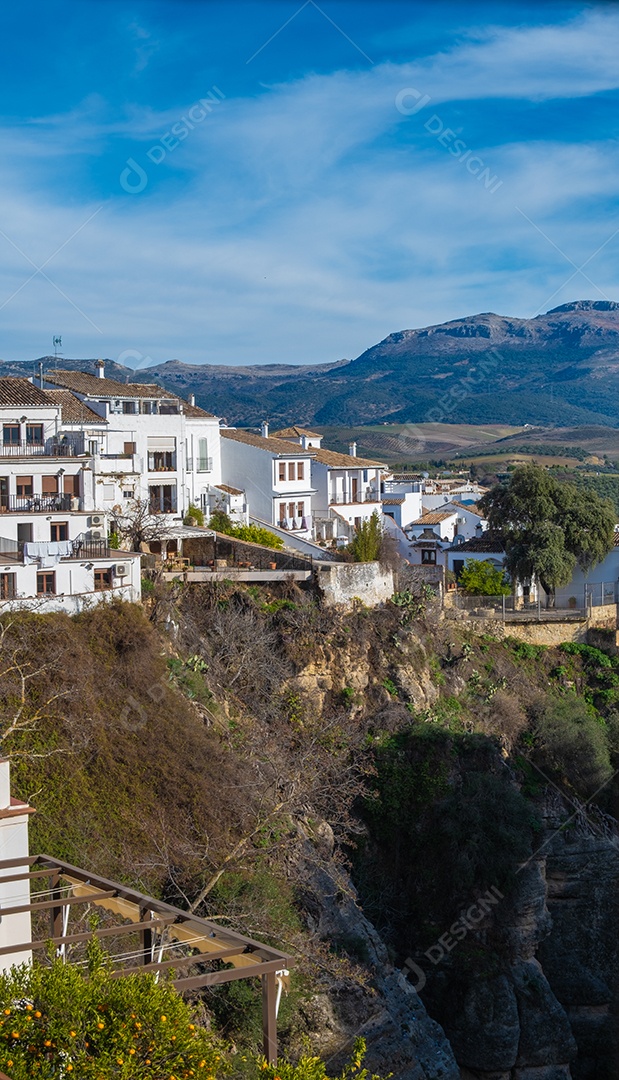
(54, 1022)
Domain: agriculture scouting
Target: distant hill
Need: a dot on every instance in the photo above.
(561, 368)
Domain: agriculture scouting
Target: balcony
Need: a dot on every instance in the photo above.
(37, 504)
(16, 551)
(201, 464)
(42, 449)
(346, 499)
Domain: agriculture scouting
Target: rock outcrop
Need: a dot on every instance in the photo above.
(402, 1039)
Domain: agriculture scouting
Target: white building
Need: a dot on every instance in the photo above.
(15, 929)
(347, 488)
(275, 474)
(53, 542)
(147, 443)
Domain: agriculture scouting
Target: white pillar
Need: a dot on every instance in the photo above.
(14, 929)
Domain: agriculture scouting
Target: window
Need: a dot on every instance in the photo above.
(7, 587)
(23, 485)
(24, 532)
(162, 461)
(93, 447)
(72, 484)
(300, 509)
(458, 567)
(46, 583)
(128, 494)
(129, 407)
(291, 470)
(282, 470)
(129, 448)
(34, 434)
(282, 515)
(49, 485)
(300, 470)
(59, 530)
(203, 462)
(103, 579)
(365, 476)
(428, 556)
(11, 434)
(291, 510)
(147, 407)
(162, 498)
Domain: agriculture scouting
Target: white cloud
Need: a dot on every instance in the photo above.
(301, 231)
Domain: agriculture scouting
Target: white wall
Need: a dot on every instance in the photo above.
(14, 929)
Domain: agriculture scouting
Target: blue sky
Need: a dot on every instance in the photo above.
(282, 182)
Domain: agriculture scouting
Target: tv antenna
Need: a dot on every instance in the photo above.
(57, 342)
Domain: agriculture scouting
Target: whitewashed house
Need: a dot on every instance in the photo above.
(347, 488)
(485, 546)
(274, 473)
(16, 928)
(402, 500)
(53, 546)
(149, 445)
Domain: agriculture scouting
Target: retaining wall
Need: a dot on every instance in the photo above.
(342, 583)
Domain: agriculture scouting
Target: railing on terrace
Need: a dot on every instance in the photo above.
(48, 449)
(345, 499)
(35, 504)
(81, 548)
(11, 550)
(513, 608)
(85, 548)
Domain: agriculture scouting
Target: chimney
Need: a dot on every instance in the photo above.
(13, 846)
(101, 368)
(264, 429)
(479, 529)
(192, 399)
(352, 449)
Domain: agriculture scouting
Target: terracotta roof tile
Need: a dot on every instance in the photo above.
(487, 542)
(74, 411)
(194, 411)
(345, 461)
(434, 517)
(295, 432)
(92, 386)
(273, 446)
(15, 390)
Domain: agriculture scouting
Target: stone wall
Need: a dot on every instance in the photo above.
(343, 583)
(549, 630)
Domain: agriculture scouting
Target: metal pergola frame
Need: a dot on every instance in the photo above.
(160, 926)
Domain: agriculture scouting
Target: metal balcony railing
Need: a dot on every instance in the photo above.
(46, 449)
(347, 499)
(12, 551)
(201, 465)
(35, 504)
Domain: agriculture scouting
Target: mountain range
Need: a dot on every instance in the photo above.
(560, 368)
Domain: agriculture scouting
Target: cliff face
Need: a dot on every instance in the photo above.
(533, 993)
(249, 746)
(551, 1011)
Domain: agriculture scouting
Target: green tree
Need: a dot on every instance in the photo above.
(55, 1022)
(366, 544)
(481, 578)
(254, 534)
(548, 526)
